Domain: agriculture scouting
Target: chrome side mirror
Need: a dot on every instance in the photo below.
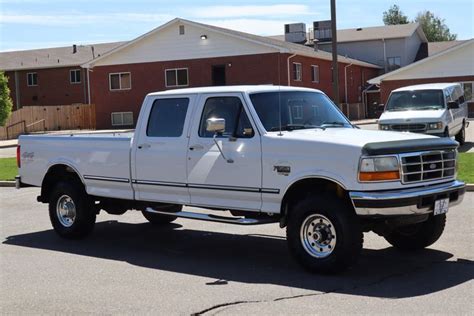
(215, 125)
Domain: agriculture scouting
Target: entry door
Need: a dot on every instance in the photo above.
(160, 151)
(218, 75)
(232, 179)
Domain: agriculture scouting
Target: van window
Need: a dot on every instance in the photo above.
(416, 100)
(167, 117)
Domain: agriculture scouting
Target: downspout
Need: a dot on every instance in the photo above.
(288, 65)
(88, 86)
(345, 82)
(384, 55)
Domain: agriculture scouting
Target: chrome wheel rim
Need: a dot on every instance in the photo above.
(318, 236)
(66, 210)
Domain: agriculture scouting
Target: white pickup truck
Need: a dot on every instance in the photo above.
(266, 154)
(436, 108)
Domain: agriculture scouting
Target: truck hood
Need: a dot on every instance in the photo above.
(350, 137)
(411, 116)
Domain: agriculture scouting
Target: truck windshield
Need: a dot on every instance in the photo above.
(416, 100)
(290, 110)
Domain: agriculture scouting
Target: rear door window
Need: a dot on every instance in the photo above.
(167, 117)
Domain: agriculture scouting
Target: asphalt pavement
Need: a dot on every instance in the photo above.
(128, 266)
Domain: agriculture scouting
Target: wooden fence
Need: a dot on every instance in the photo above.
(31, 119)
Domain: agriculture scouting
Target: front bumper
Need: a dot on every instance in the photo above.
(411, 201)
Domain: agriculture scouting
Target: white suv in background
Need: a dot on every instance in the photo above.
(436, 109)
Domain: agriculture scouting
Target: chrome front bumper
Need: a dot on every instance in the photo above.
(411, 201)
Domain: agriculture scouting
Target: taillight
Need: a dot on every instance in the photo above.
(18, 156)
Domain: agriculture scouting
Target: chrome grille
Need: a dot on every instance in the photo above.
(428, 166)
(408, 127)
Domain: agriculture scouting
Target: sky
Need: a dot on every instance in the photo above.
(30, 24)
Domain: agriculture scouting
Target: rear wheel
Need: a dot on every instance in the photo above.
(418, 236)
(160, 219)
(71, 210)
(461, 136)
(324, 234)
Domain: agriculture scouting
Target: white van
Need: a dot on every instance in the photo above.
(436, 109)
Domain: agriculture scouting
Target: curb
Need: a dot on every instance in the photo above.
(364, 122)
(7, 146)
(7, 184)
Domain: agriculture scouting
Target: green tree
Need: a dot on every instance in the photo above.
(394, 16)
(6, 102)
(434, 27)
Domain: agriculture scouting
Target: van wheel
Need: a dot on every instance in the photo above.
(461, 136)
(160, 219)
(324, 234)
(71, 210)
(418, 236)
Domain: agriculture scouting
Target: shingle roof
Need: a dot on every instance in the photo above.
(52, 57)
(278, 44)
(436, 47)
(379, 32)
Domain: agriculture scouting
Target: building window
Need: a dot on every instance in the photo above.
(32, 79)
(75, 76)
(315, 73)
(393, 63)
(467, 86)
(122, 118)
(176, 77)
(120, 81)
(297, 71)
(181, 30)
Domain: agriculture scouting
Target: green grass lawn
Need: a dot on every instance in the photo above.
(466, 167)
(8, 169)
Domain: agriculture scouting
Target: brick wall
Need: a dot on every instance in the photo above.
(247, 69)
(54, 87)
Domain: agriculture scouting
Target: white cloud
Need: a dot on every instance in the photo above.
(235, 11)
(82, 19)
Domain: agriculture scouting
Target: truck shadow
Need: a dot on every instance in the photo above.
(384, 273)
(466, 147)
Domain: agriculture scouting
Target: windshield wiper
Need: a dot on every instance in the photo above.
(291, 127)
(333, 124)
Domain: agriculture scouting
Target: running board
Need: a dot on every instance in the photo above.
(216, 218)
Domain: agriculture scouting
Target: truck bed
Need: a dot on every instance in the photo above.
(103, 160)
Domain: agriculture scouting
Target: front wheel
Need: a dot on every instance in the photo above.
(418, 236)
(324, 234)
(71, 210)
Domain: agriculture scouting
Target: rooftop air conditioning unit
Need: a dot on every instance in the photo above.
(295, 33)
(322, 31)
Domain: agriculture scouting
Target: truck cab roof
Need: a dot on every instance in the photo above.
(427, 86)
(229, 89)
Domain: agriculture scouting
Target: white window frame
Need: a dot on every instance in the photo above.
(121, 113)
(120, 81)
(28, 79)
(295, 77)
(75, 71)
(472, 91)
(394, 57)
(313, 67)
(176, 77)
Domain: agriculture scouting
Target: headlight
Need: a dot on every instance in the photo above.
(437, 125)
(379, 169)
(384, 127)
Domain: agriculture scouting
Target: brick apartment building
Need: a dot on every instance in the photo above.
(180, 53)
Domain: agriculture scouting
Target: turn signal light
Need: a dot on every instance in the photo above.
(379, 176)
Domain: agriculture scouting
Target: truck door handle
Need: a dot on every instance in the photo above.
(196, 147)
(144, 146)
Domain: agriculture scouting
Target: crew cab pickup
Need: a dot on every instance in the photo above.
(266, 154)
(437, 109)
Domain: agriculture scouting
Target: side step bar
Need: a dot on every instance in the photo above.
(216, 218)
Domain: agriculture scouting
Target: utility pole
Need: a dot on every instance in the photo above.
(335, 68)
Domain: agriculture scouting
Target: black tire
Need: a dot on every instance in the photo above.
(84, 213)
(159, 219)
(418, 236)
(461, 136)
(345, 224)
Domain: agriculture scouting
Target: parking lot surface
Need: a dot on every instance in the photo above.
(128, 266)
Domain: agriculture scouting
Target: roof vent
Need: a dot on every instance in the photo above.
(359, 29)
(74, 48)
